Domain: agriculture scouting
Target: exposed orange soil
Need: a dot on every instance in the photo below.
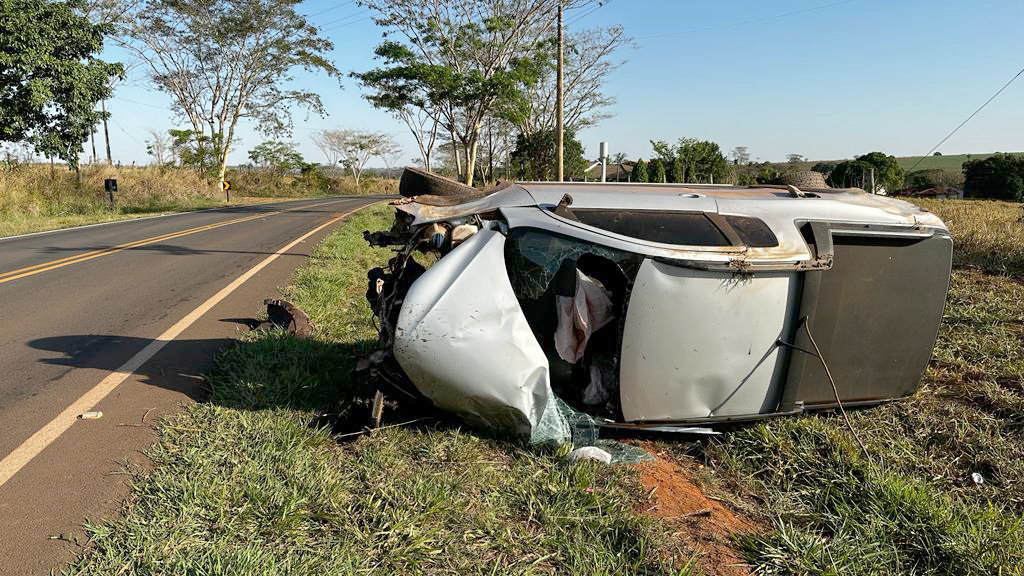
(699, 523)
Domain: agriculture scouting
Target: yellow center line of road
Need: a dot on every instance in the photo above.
(69, 260)
(30, 448)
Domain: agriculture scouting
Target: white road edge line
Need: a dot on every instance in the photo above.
(46, 435)
(141, 218)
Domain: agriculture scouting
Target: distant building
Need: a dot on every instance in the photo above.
(617, 172)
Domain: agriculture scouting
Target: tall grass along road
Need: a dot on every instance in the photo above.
(253, 482)
(121, 321)
(35, 197)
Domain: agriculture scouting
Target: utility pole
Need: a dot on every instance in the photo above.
(559, 103)
(106, 132)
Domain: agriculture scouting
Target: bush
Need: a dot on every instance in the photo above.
(639, 172)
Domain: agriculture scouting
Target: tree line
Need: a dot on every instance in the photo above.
(474, 76)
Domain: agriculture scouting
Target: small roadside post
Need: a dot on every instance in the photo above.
(226, 184)
(604, 161)
(110, 186)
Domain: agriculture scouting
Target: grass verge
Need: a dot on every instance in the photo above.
(245, 485)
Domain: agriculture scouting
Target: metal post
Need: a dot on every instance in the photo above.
(559, 104)
(604, 161)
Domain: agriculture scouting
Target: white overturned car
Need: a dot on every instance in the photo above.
(654, 306)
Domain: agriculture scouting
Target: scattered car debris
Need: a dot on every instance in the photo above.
(91, 415)
(591, 453)
(652, 307)
(284, 314)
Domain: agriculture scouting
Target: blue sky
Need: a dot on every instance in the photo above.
(823, 79)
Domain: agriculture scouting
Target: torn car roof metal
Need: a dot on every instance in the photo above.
(707, 296)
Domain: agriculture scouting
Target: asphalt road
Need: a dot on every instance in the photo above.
(160, 294)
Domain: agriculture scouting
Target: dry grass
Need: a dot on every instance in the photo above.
(39, 190)
(35, 197)
(988, 234)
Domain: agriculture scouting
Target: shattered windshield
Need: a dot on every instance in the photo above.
(534, 258)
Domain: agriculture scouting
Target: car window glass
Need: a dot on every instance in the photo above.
(677, 228)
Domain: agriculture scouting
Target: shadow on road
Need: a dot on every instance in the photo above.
(171, 249)
(179, 366)
(272, 370)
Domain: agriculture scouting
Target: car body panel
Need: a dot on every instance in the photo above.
(700, 344)
(463, 340)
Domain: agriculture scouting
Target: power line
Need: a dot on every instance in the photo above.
(744, 22)
(125, 131)
(961, 125)
(600, 4)
(343, 18)
(364, 18)
(332, 8)
(122, 99)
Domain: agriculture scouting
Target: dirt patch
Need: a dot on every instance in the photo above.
(701, 524)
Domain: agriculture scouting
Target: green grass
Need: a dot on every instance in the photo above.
(949, 162)
(245, 484)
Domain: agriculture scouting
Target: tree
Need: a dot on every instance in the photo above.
(663, 150)
(795, 158)
(225, 60)
(50, 77)
(702, 160)
(353, 148)
(739, 155)
(195, 150)
(656, 169)
(888, 173)
(409, 102)
(323, 140)
(674, 170)
(158, 145)
(1000, 177)
(850, 173)
(589, 60)
(639, 173)
(389, 150)
(278, 157)
(619, 158)
(927, 178)
(535, 156)
(825, 168)
(460, 61)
